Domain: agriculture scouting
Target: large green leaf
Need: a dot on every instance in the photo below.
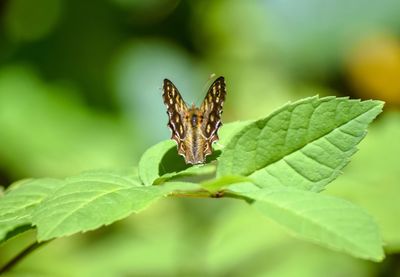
(326, 220)
(304, 144)
(90, 200)
(228, 131)
(19, 201)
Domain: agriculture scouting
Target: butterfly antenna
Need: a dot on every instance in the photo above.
(161, 88)
(208, 83)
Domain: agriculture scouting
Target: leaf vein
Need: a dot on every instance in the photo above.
(297, 171)
(63, 218)
(314, 160)
(315, 139)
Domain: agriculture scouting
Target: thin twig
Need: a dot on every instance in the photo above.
(233, 195)
(207, 194)
(21, 255)
(199, 194)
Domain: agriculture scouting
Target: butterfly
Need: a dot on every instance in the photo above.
(194, 129)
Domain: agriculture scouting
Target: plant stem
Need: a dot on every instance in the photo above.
(21, 255)
(207, 194)
(198, 194)
(237, 196)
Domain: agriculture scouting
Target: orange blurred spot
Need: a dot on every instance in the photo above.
(373, 68)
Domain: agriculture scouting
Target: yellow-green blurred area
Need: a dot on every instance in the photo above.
(80, 89)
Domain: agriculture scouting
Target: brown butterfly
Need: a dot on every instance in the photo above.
(195, 129)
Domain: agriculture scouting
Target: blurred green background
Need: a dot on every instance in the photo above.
(80, 89)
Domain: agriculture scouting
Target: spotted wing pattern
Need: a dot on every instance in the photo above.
(176, 110)
(212, 109)
(195, 129)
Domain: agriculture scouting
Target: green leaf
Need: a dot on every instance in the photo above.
(228, 131)
(18, 203)
(194, 170)
(150, 162)
(90, 200)
(178, 186)
(162, 162)
(325, 220)
(215, 185)
(372, 179)
(304, 144)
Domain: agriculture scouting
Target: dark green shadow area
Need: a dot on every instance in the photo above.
(172, 162)
(17, 230)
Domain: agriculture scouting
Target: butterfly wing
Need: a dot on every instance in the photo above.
(212, 110)
(176, 109)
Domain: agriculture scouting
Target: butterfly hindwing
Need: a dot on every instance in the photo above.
(176, 109)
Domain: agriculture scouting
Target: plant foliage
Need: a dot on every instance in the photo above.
(277, 164)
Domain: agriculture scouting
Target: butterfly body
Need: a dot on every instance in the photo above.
(194, 129)
(194, 143)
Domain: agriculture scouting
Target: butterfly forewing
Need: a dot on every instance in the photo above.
(212, 109)
(176, 109)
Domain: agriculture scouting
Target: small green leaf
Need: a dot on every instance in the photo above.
(194, 170)
(90, 200)
(178, 186)
(304, 144)
(162, 162)
(325, 220)
(151, 161)
(223, 182)
(18, 203)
